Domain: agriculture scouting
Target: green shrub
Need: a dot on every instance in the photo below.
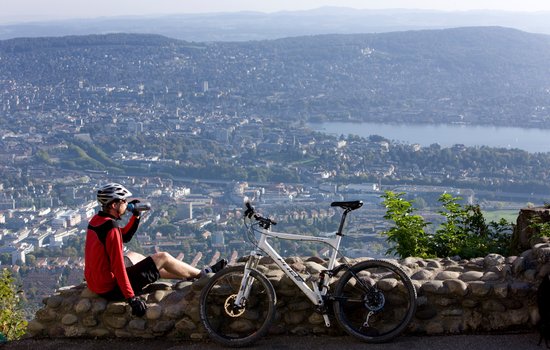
(12, 321)
(464, 231)
(407, 237)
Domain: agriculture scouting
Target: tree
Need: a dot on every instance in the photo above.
(12, 321)
(408, 237)
(464, 232)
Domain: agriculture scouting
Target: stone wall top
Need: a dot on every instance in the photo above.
(492, 293)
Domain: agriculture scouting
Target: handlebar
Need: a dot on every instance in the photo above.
(251, 213)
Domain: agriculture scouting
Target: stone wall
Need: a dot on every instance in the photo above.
(493, 293)
(525, 234)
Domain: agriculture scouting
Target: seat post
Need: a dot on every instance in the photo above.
(342, 222)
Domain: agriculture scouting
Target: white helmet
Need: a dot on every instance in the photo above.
(109, 192)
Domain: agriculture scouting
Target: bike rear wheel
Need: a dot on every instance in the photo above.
(232, 326)
(374, 301)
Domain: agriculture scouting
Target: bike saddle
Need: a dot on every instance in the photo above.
(351, 205)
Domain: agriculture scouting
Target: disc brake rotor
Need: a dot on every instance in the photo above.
(231, 309)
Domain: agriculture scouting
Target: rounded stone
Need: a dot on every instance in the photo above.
(99, 332)
(69, 319)
(116, 308)
(501, 290)
(185, 324)
(74, 331)
(444, 301)
(434, 328)
(410, 262)
(99, 305)
(182, 284)
(157, 296)
(300, 306)
(469, 303)
(46, 315)
(471, 276)
(447, 275)
(87, 293)
(115, 321)
(316, 319)
(153, 312)
(493, 260)
(54, 301)
(490, 276)
(174, 311)
(387, 284)
(83, 305)
(479, 288)
(35, 328)
(530, 275)
(89, 321)
(433, 264)
(425, 312)
(316, 259)
(422, 275)
(520, 288)
(294, 318)
(456, 287)
(518, 266)
(137, 324)
(314, 268)
(452, 312)
(163, 326)
(493, 305)
(123, 333)
(436, 287)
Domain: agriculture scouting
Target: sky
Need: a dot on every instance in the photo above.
(15, 11)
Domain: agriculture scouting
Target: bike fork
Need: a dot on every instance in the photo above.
(246, 282)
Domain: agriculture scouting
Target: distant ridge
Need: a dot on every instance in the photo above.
(477, 75)
(244, 26)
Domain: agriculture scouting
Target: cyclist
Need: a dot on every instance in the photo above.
(105, 271)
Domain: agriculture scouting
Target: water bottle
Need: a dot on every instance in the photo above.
(141, 206)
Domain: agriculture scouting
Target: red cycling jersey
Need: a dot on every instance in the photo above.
(104, 260)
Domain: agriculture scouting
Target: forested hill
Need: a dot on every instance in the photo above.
(489, 75)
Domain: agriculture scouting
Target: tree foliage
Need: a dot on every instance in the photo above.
(407, 237)
(12, 321)
(463, 232)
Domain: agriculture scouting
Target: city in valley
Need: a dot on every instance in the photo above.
(198, 129)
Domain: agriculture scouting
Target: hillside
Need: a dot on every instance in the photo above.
(478, 75)
(249, 25)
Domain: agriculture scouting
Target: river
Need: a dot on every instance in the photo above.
(530, 140)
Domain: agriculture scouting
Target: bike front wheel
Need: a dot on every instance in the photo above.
(374, 301)
(235, 326)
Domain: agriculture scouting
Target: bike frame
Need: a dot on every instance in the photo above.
(314, 294)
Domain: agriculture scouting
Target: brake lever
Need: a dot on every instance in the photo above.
(249, 210)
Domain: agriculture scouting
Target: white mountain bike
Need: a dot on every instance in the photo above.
(373, 300)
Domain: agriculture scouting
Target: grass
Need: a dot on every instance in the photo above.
(509, 215)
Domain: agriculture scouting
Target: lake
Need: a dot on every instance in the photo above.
(530, 140)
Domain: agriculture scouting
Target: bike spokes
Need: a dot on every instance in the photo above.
(374, 301)
(231, 324)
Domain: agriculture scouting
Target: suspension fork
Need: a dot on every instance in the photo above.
(246, 282)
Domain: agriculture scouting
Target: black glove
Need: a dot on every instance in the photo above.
(138, 306)
(135, 212)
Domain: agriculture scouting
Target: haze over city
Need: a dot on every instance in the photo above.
(37, 10)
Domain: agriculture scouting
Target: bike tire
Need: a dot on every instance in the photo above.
(392, 301)
(252, 322)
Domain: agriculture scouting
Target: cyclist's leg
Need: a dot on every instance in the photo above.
(172, 268)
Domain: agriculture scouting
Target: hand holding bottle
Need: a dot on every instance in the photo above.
(136, 207)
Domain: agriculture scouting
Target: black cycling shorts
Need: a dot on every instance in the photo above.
(140, 275)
